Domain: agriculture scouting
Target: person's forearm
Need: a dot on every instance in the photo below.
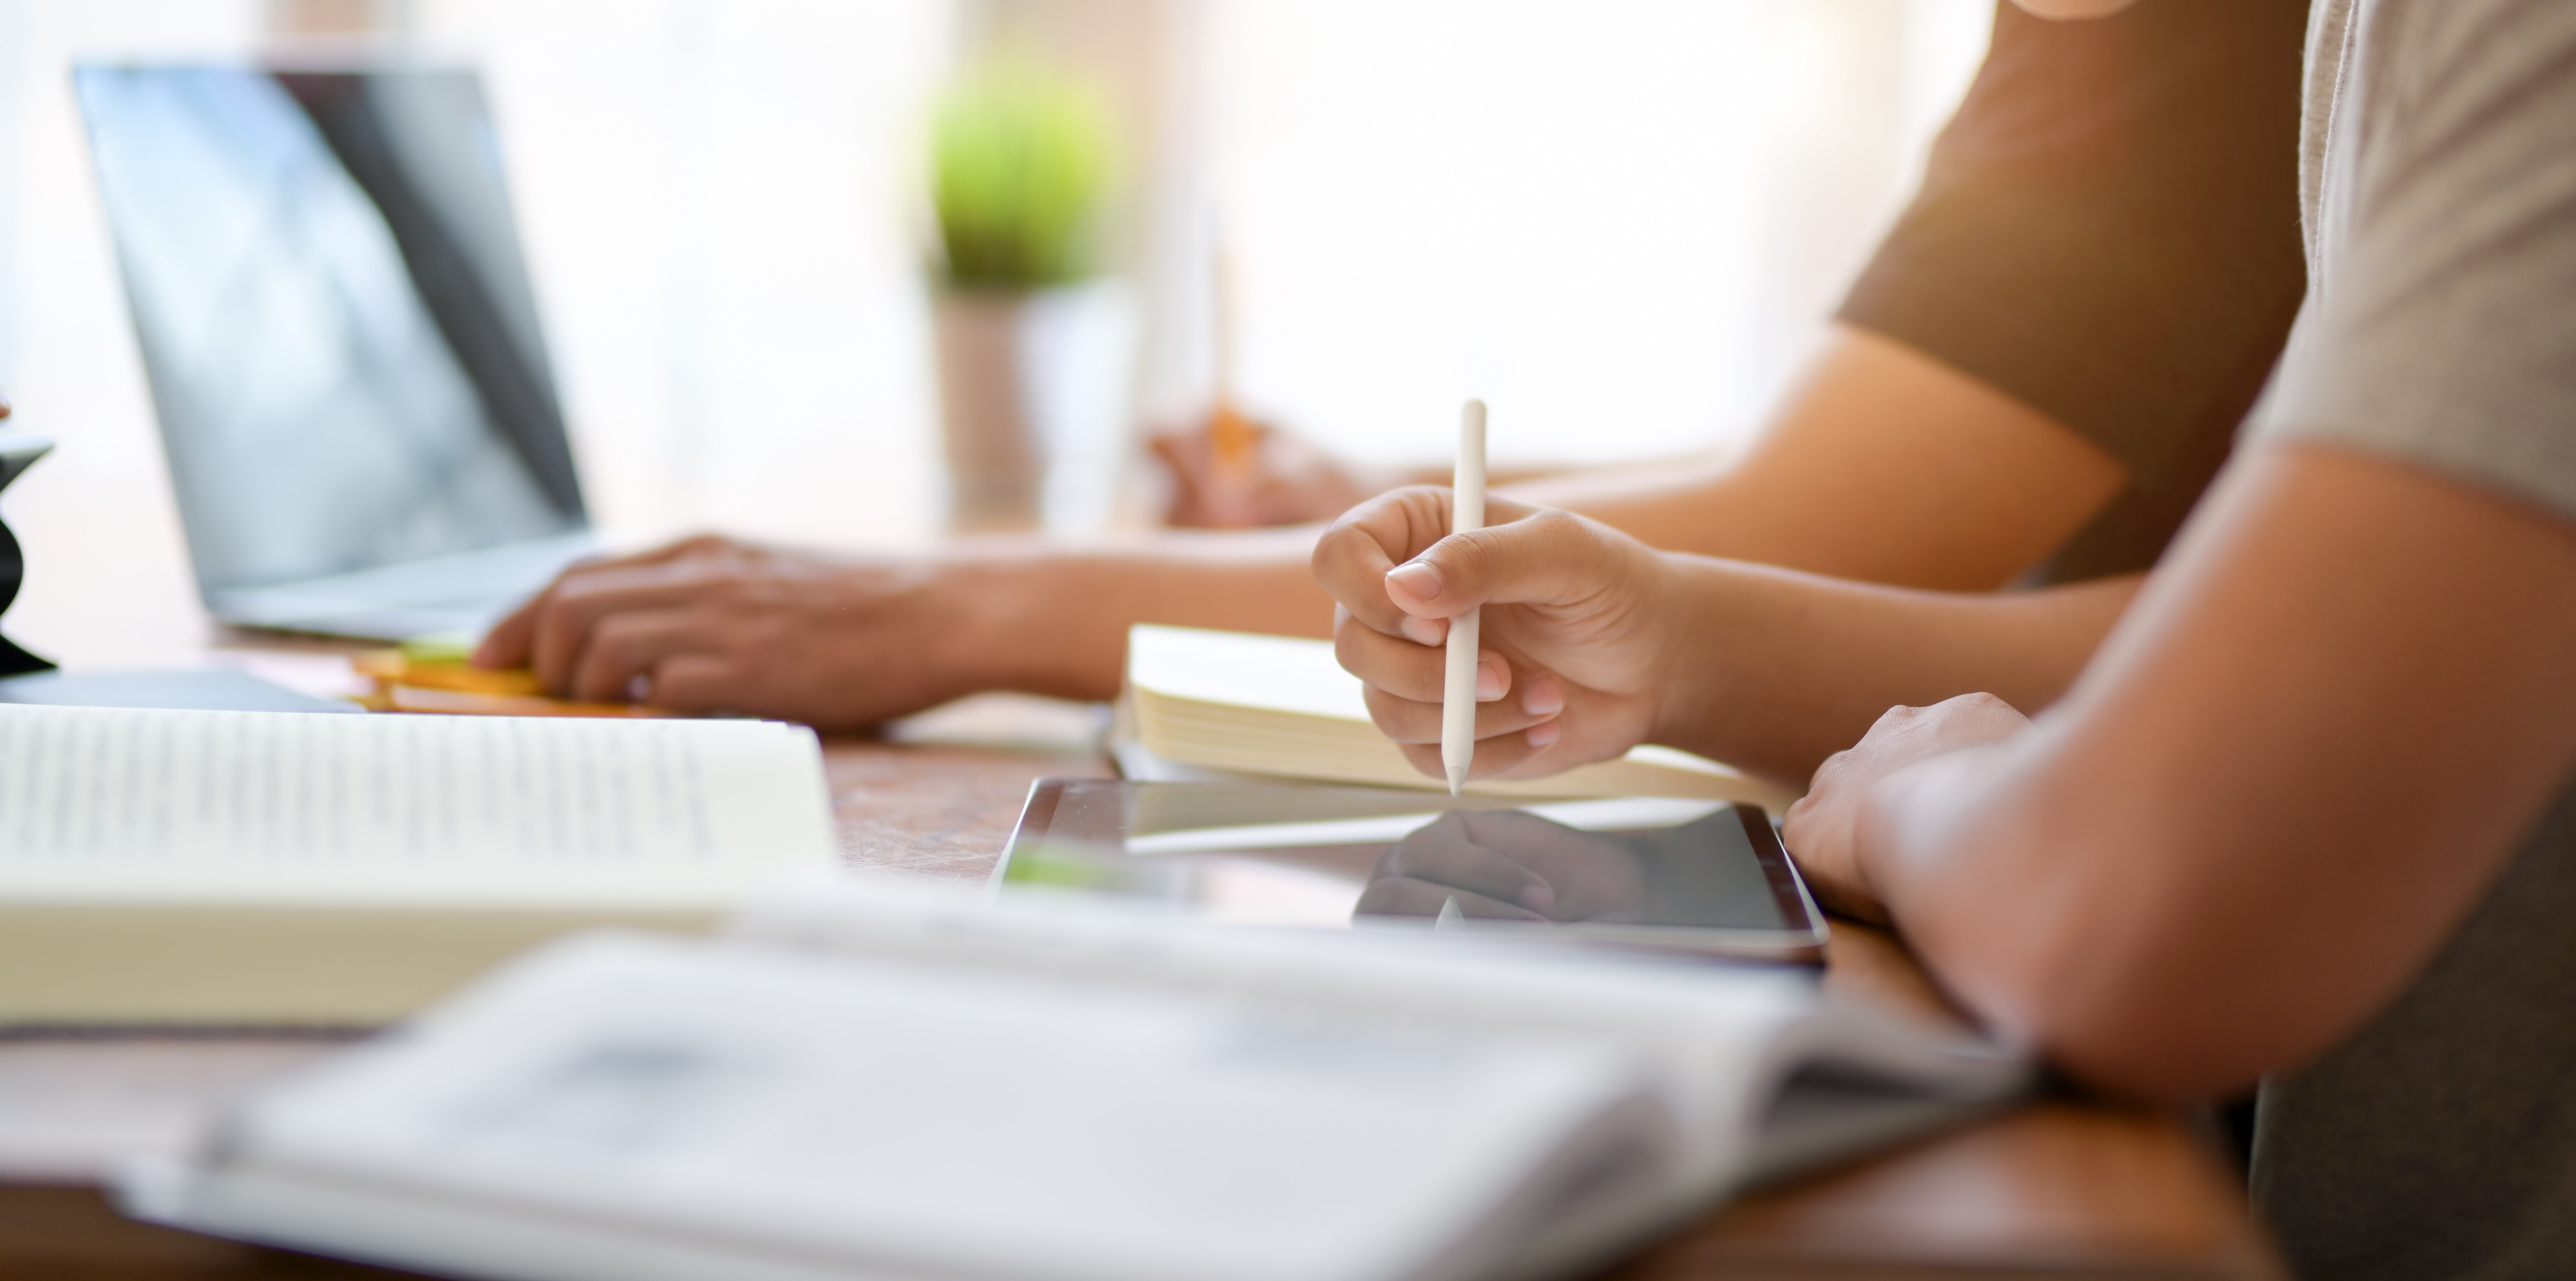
(1061, 614)
(2273, 796)
(1679, 504)
(1881, 464)
(1783, 669)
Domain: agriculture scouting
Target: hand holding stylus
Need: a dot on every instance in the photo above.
(1578, 631)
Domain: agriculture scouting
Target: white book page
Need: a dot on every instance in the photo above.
(1716, 1039)
(142, 805)
(1706, 1034)
(934, 1121)
(1278, 673)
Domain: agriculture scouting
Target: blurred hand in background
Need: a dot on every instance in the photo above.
(1230, 472)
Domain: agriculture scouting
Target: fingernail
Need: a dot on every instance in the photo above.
(1543, 696)
(1489, 682)
(1422, 631)
(1539, 898)
(1418, 580)
(1544, 733)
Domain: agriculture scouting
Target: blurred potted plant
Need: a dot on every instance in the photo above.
(1031, 346)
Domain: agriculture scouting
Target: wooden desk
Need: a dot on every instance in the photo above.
(2050, 1188)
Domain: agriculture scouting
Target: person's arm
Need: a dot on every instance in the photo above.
(1884, 465)
(2293, 770)
(2315, 742)
(831, 640)
(1881, 465)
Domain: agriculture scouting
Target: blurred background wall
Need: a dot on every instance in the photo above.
(1620, 222)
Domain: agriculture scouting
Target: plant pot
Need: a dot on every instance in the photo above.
(1034, 393)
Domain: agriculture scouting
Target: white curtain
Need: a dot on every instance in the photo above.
(1619, 222)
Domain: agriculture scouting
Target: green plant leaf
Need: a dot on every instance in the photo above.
(1020, 167)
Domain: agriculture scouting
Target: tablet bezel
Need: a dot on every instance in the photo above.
(1801, 940)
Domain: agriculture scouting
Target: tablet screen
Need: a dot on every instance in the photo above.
(1694, 874)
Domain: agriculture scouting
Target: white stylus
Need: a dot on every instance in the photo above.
(1458, 692)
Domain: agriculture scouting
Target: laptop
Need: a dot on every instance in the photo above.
(343, 349)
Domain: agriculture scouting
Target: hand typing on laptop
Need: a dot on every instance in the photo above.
(715, 624)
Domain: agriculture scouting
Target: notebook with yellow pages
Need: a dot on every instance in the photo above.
(275, 868)
(1202, 706)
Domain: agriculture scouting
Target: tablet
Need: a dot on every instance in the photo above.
(1695, 876)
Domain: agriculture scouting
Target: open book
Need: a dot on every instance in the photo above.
(881, 1079)
(200, 867)
(1200, 706)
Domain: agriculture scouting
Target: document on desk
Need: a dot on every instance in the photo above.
(1205, 706)
(880, 1081)
(162, 866)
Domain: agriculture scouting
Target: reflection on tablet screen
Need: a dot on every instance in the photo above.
(1639, 869)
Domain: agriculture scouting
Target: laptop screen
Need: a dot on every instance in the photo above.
(334, 314)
